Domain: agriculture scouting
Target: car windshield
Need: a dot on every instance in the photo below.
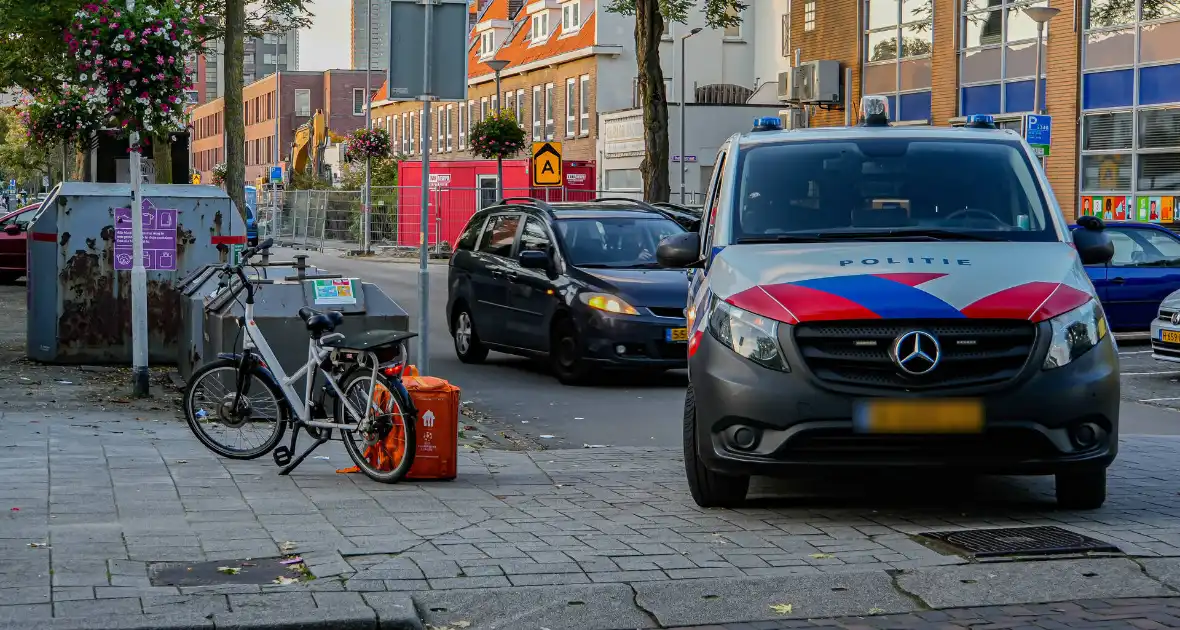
(614, 242)
(900, 188)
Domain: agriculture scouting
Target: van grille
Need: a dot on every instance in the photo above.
(860, 353)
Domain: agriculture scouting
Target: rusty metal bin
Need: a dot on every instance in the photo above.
(79, 295)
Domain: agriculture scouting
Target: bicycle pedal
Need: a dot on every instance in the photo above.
(282, 455)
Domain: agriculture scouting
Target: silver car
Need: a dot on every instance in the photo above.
(1165, 330)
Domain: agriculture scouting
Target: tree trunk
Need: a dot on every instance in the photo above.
(162, 156)
(235, 125)
(649, 29)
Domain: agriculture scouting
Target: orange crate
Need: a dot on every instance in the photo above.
(437, 431)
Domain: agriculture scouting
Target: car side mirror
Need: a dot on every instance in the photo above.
(680, 251)
(1094, 245)
(533, 259)
(12, 229)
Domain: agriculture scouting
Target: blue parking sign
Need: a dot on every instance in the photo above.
(1038, 131)
(276, 173)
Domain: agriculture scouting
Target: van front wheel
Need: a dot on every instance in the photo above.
(708, 488)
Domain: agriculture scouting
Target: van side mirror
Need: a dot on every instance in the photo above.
(680, 251)
(533, 259)
(1094, 245)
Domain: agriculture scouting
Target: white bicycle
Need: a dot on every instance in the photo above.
(248, 394)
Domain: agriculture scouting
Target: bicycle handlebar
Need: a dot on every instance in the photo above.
(231, 270)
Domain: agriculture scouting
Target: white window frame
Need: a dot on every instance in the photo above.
(550, 96)
(537, 114)
(438, 130)
(470, 115)
(302, 111)
(571, 16)
(450, 131)
(413, 133)
(733, 33)
(494, 104)
(809, 16)
(462, 132)
(401, 124)
(539, 27)
(358, 98)
(571, 107)
(519, 111)
(584, 105)
(483, 108)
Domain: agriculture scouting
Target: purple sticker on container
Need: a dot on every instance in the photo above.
(159, 238)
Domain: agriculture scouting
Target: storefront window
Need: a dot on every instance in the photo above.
(999, 57)
(1131, 103)
(898, 41)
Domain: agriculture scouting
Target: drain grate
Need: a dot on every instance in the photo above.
(247, 571)
(988, 543)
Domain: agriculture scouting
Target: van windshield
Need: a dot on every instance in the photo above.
(890, 188)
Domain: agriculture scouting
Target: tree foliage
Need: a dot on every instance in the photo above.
(649, 30)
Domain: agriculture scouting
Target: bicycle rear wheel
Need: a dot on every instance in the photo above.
(216, 413)
(386, 452)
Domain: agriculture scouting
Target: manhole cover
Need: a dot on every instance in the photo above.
(249, 571)
(984, 543)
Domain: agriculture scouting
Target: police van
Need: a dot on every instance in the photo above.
(880, 296)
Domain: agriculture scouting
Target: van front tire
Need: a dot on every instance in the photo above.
(708, 488)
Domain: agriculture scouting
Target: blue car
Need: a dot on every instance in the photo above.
(251, 215)
(1145, 270)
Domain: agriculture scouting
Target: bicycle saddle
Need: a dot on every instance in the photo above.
(319, 323)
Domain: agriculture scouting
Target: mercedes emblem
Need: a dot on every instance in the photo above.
(917, 352)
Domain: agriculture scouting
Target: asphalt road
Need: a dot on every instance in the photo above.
(630, 410)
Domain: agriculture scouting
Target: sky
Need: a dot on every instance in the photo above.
(324, 46)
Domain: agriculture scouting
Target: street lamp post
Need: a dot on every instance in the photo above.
(140, 382)
(498, 65)
(369, 126)
(1040, 15)
(683, 81)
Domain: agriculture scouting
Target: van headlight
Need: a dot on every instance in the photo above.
(752, 336)
(1074, 333)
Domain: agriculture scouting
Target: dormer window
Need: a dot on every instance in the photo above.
(540, 26)
(487, 44)
(571, 18)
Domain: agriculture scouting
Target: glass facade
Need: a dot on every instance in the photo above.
(998, 57)
(898, 37)
(1130, 164)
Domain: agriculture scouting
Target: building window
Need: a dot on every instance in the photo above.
(1130, 166)
(520, 108)
(438, 130)
(450, 130)
(405, 123)
(898, 43)
(635, 90)
(809, 15)
(462, 132)
(509, 105)
(786, 32)
(549, 105)
(540, 27)
(470, 115)
(495, 104)
(487, 44)
(571, 19)
(483, 108)
(303, 102)
(571, 107)
(584, 105)
(413, 132)
(538, 113)
(735, 31)
(393, 133)
(358, 101)
(998, 59)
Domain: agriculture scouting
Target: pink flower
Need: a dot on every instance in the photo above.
(126, 63)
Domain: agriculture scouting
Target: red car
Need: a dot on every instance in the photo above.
(14, 243)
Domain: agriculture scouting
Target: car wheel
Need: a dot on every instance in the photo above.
(708, 488)
(1081, 490)
(565, 353)
(468, 347)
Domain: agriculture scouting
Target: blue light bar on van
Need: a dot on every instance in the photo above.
(981, 121)
(874, 111)
(768, 123)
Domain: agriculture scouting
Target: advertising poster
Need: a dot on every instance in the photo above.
(1168, 210)
(1153, 209)
(1087, 206)
(1102, 209)
(1142, 203)
(1122, 209)
(334, 291)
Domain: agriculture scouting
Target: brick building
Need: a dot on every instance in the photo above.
(340, 93)
(1111, 79)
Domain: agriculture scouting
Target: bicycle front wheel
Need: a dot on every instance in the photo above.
(233, 424)
(384, 450)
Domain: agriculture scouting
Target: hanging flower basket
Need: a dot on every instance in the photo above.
(365, 144)
(497, 136)
(219, 172)
(71, 115)
(135, 61)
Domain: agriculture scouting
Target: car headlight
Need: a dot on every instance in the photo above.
(752, 336)
(607, 302)
(1074, 333)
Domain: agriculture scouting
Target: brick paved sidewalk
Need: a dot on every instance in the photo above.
(588, 539)
(1112, 614)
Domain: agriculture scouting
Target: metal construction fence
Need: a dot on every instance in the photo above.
(334, 219)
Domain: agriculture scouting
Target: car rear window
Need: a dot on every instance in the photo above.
(987, 188)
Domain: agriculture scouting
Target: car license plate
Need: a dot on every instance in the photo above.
(1170, 336)
(919, 415)
(676, 334)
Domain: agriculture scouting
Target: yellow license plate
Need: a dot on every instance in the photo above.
(677, 334)
(930, 416)
(1170, 336)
